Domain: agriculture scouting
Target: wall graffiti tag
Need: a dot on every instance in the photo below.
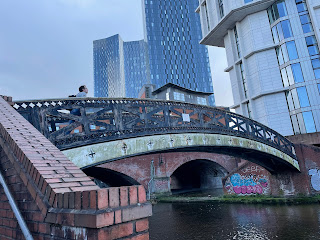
(315, 179)
(247, 185)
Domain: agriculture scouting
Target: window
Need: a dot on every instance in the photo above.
(287, 76)
(279, 55)
(316, 67)
(286, 52)
(306, 23)
(297, 73)
(295, 124)
(237, 41)
(178, 96)
(295, 98)
(290, 101)
(312, 45)
(292, 51)
(201, 100)
(277, 10)
(303, 97)
(309, 122)
(247, 1)
(281, 31)
(248, 110)
(221, 11)
(207, 15)
(286, 28)
(301, 5)
(244, 82)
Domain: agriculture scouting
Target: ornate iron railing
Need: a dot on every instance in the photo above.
(102, 119)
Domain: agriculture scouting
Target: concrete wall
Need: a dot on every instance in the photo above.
(56, 199)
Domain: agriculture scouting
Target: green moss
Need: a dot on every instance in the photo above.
(254, 199)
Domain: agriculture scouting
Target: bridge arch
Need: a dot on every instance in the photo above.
(197, 175)
(262, 154)
(164, 165)
(105, 177)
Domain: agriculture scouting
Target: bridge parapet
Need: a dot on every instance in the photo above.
(97, 120)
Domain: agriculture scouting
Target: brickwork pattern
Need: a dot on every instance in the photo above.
(66, 202)
(165, 165)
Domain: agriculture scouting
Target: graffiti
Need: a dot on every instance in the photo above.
(315, 179)
(252, 169)
(251, 184)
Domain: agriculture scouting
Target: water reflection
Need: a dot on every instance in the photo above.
(234, 221)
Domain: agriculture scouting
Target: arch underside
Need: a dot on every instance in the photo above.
(264, 155)
(198, 175)
(109, 178)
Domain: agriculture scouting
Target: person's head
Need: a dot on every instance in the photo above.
(83, 88)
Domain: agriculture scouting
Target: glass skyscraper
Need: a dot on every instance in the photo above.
(135, 67)
(120, 68)
(108, 67)
(173, 32)
(170, 53)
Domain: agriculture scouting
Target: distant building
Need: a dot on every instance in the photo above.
(120, 68)
(170, 53)
(174, 92)
(273, 58)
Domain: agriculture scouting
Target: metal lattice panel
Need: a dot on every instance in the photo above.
(69, 123)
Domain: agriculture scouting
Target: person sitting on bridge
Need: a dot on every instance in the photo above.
(83, 90)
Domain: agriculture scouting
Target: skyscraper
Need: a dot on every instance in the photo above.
(120, 68)
(273, 58)
(108, 67)
(173, 31)
(170, 53)
(136, 67)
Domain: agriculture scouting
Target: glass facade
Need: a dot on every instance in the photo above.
(173, 33)
(108, 63)
(135, 67)
(316, 67)
(290, 63)
(120, 68)
(277, 10)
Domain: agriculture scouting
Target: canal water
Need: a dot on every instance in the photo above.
(193, 221)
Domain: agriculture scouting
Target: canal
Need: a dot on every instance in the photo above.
(193, 221)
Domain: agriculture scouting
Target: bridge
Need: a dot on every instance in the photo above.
(125, 138)
(107, 130)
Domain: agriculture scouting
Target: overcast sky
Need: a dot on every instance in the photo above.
(46, 45)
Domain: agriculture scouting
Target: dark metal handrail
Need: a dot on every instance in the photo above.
(104, 119)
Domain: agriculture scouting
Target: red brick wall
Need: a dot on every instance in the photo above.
(56, 198)
(165, 164)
